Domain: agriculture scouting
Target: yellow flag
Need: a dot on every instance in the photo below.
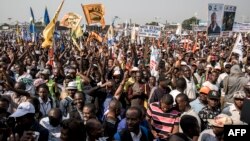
(94, 13)
(77, 31)
(18, 32)
(48, 32)
(94, 35)
(70, 20)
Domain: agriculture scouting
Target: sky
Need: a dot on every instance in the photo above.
(139, 11)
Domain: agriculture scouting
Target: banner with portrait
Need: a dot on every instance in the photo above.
(215, 13)
(228, 17)
(94, 13)
(70, 20)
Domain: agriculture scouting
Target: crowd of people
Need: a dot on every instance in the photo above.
(102, 92)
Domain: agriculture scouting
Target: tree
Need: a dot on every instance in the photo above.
(152, 23)
(187, 24)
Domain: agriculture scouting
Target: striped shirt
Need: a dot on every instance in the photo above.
(161, 122)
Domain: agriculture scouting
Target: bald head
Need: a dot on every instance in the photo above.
(114, 104)
(55, 113)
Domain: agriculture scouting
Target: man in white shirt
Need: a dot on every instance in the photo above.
(52, 123)
(191, 88)
(182, 103)
(181, 85)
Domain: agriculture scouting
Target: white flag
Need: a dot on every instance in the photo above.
(178, 30)
(238, 47)
(133, 34)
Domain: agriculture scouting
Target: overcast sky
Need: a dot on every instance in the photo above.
(140, 11)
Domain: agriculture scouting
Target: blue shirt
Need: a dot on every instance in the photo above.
(197, 105)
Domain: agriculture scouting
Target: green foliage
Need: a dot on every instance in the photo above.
(187, 24)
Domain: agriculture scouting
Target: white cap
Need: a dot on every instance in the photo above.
(23, 109)
(116, 72)
(135, 69)
(72, 86)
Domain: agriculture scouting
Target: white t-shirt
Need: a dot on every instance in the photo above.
(174, 93)
(211, 86)
(54, 132)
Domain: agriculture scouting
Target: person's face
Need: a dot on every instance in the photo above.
(78, 100)
(28, 61)
(138, 76)
(214, 77)
(86, 114)
(213, 102)
(165, 107)
(152, 81)
(171, 61)
(187, 72)
(72, 92)
(227, 69)
(56, 72)
(203, 97)
(43, 93)
(110, 63)
(238, 102)
(18, 70)
(145, 74)
(213, 18)
(181, 104)
(34, 64)
(132, 120)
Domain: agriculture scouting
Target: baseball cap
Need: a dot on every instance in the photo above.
(204, 90)
(213, 95)
(239, 94)
(72, 86)
(23, 109)
(116, 72)
(45, 71)
(221, 120)
(135, 69)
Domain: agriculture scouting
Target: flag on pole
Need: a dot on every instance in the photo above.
(48, 32)
(133, 34)
(94, 13)
(238, 47)
(32, 21)
(46, 17)
(126, 28)
(110, 35)
(94, 35)
(178, 31)
(71, 20)
(32, 26)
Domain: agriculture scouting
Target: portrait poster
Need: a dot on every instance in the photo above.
(228, 17)
(215, 13)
